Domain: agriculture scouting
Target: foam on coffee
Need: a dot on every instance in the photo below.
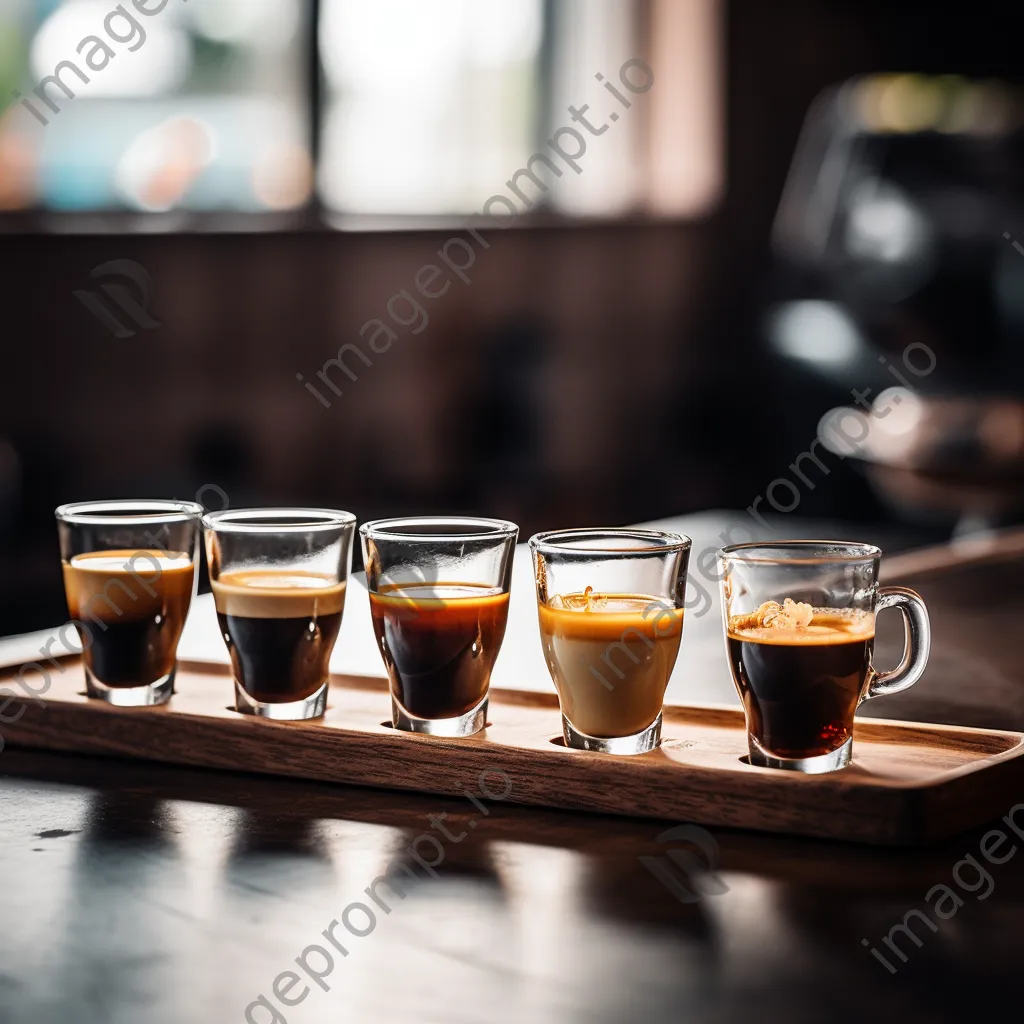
(277, 594)
(796, 622)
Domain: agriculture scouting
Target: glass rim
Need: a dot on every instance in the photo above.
(561, 541)
(801, 552)
(254, 520)
(134, 512)
(402, 528)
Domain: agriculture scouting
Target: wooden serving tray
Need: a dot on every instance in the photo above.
(909, 783)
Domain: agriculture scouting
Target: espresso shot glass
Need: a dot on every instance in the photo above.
(800, 632)
(610, 604)
(129, 579)
(279, 578)
(439, 591)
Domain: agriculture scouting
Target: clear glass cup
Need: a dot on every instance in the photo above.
(610, 604)
(439, 591)
(279, 577)
(129, 578)
(800, 629)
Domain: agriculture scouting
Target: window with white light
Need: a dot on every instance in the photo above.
(391, 109)
(428, 104)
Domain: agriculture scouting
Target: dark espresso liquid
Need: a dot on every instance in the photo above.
(439, 643)
(133, 604)
(801, 681)
(280, 628)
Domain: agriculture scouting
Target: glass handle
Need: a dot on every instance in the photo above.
(916, 646)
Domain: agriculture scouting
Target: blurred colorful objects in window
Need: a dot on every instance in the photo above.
(198, 106)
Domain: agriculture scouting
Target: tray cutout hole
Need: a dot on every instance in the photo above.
(559, 741)
(391, 725)
(319, 720)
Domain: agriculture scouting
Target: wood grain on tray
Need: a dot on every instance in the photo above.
(910, 783)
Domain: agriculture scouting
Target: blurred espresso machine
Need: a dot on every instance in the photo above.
(898, 295)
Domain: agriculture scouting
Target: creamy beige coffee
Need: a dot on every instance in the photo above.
(610, 656)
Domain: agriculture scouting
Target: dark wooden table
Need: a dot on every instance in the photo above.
(137, 893)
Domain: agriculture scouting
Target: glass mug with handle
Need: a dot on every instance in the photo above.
(800, 629)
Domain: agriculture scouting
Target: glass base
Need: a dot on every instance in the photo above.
(312, 706)
(830, 762)
(638, 743)
(158, 692)
(464, 725)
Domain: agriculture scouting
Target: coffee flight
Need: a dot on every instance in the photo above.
(799, 620)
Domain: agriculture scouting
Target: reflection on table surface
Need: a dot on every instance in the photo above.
(171, 895)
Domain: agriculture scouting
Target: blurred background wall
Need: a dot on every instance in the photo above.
(613, 358)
